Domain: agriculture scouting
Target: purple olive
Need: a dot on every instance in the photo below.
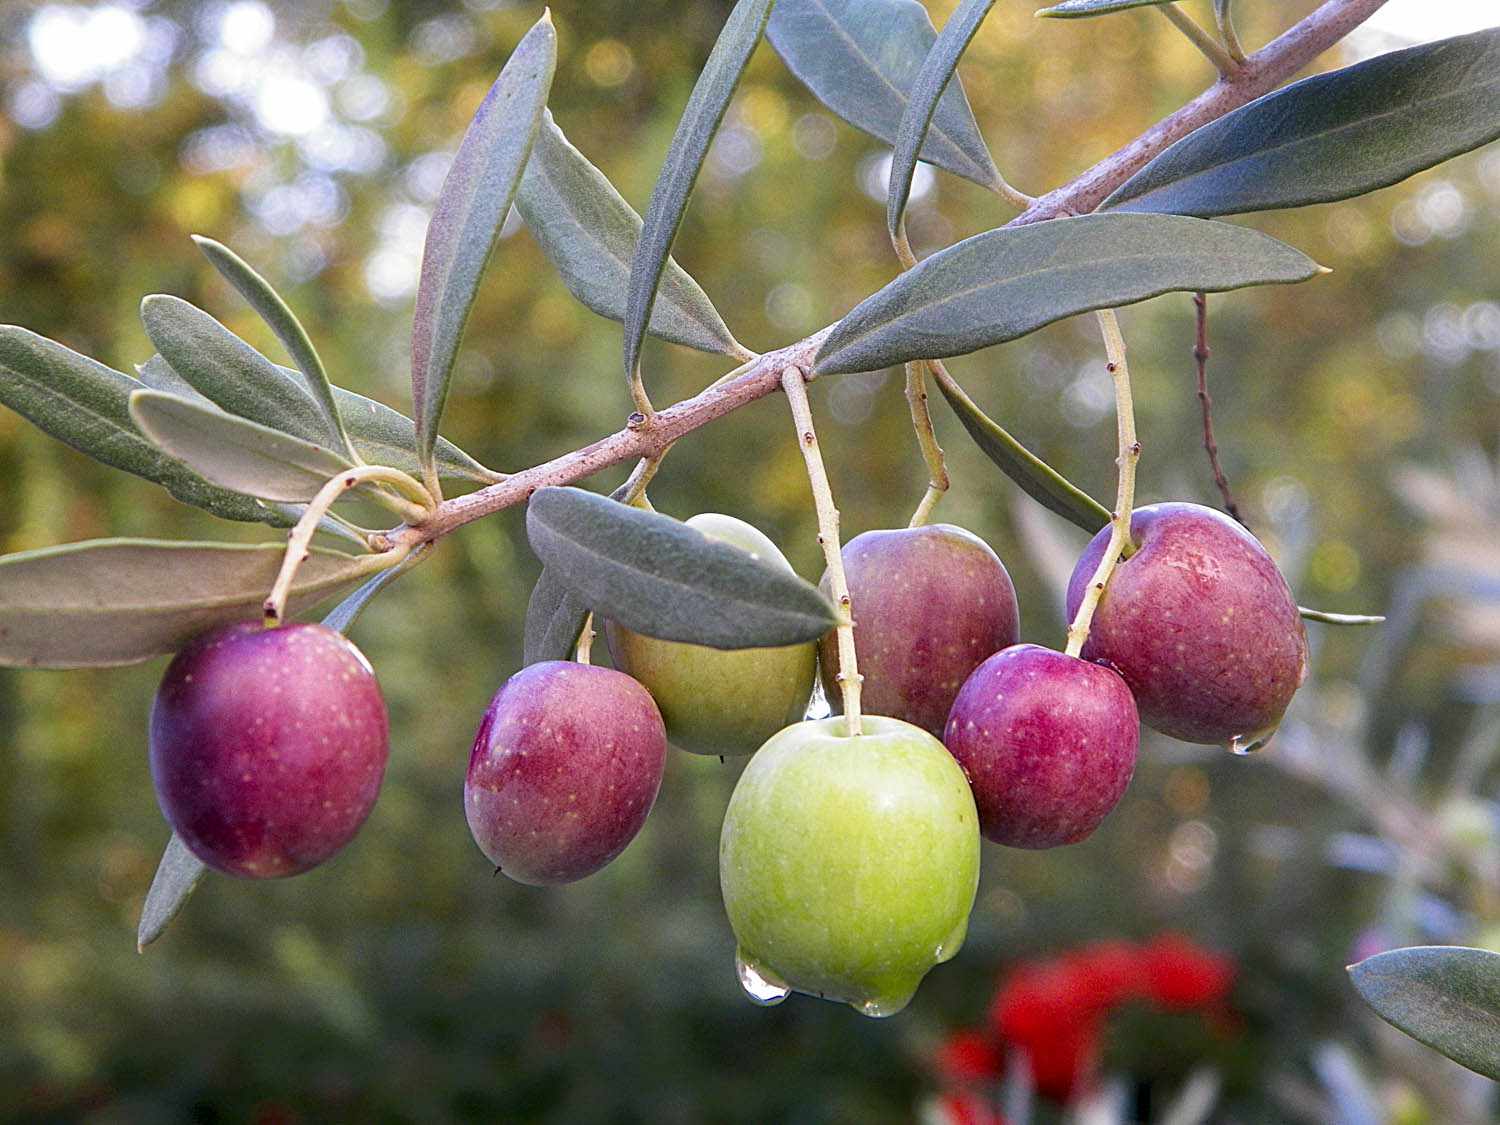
(268, 747)
(1048, 742)
(1200, 623)
(929, 604)
(565, 767)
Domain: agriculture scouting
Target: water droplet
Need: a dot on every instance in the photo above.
(879, 1007)
(1243, 745)
(761, 986)
(817, 705)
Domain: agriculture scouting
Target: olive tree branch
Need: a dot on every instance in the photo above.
(1211, 47)
(1262, 72)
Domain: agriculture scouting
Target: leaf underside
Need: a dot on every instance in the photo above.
(86, 405)
(657, 576)
(176, 877)
(1005, 283)
(861, 57)
(1447, 997)
(1332, 136)
(119, 601)
(696, 128)
(1081, 9)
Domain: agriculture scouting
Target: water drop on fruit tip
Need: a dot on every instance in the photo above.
(1243, 745)
(879, 1007)
(761, 986)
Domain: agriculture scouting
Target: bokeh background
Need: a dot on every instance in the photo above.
(1358, 417)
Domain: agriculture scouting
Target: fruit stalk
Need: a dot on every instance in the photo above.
(1201, 352)
(932, 452)
(794, 382)
(301, 535)
(1130, 453)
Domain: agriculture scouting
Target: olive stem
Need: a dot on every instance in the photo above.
(1130, 453)
(585, 641)
(1201, 352)
(1227, 32)
(921, 416)
(794, 383)
(1223, 62)
(300, 537)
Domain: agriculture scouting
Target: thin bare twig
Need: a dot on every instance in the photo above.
(1201, 352)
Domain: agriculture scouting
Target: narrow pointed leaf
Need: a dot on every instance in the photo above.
(1037, 479)
(932, 87)
(660, 577)
(466, 221)
(555, 614)
(1002, 284)
(1332, 136)
(229, 372)
(176, 877)
(1447, 997)
(282, 321)
(589, 233)
(119, 601)
(1326, 618)
(860, 57)
(674, 184)
(86, 405)
(347, 612)
(1079, 9)
(381, 436)
(233, 452)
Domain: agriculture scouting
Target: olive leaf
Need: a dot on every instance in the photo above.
(347, 612)
(1078, 9)
(1332, 136)
(234, 452)
(282, 321)
(177, 875)
(381, 436)
(860, 58)
(1037, 479)
(466, 221)
(1447, 997)
(699, 123)
(554, 613)
(86, 405)
(229, 372)
(1002, 284)
(118, 601)
(589, 233)
(932, 87)
(657, 576)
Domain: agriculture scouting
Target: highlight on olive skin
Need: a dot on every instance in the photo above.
(268, 747)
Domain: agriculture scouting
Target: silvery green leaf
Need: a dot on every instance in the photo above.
(932, 87)
(466, 221)
(657, 576)
(176, 877)
(279, 316)
(1002, 284)
(1331, 136)
(234, 452)
(120, 601)
(87, 405)
(589, 233)
(696, 129)
(861, 57)
(1447, 997)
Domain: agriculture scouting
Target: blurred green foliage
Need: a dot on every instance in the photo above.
(402, 981)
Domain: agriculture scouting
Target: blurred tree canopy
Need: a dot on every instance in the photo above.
(402, 981)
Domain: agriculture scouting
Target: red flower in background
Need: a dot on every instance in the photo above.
(1055, 1009)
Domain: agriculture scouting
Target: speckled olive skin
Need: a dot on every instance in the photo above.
(849, 865)
(1199, 622)
(929, 604)
(268, 747)
(564, 769)
(717, 701)
(1048, 742)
